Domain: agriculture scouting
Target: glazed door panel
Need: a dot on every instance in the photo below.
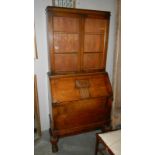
(66, 62)
(66, 24)
(79, 43)
(93, 25)
(66, 44)
(91, 60)
(94, 43)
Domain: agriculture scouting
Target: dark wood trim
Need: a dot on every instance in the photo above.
(106, 42)
(94, 33)
(89, 52)
(61, 32)
(103, 14)
(90, 70)
(81, 129)
(50, 41)
(73, 74)
(64, 14)
(78, 74)
(109, 88)
(66, 52)
(81, 42)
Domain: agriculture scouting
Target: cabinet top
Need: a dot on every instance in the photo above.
(75, 10)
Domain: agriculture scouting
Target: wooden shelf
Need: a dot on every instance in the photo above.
(94, 33)
(91, 52)
(66, 52)
(61, 32)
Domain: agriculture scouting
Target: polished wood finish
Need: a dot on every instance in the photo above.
(80, 103)
(71, 24)
(64, 88)
(70, 62)
(78, 38)
(80, 88)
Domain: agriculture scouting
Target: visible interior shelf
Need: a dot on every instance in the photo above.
(86, 33)
(61, 32)
(91, 52)
(76, 52)
(94, 33)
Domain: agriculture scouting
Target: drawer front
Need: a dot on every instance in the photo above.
(80, 113)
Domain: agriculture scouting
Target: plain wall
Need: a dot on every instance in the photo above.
(41, 64)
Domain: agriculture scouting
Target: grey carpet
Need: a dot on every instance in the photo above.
(82, 144)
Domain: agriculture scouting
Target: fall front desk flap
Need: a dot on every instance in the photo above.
(72, 88)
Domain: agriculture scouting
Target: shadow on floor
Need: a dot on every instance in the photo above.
(82, 144)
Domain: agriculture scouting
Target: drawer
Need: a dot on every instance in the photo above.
(86, 105)
(79, 113)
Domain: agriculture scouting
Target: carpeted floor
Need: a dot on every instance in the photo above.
(82, 144)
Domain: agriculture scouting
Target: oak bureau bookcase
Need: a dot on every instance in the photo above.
(80, 88)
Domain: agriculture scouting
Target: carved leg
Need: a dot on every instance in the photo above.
(97, 143)
(54, 141)
(54, 138)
